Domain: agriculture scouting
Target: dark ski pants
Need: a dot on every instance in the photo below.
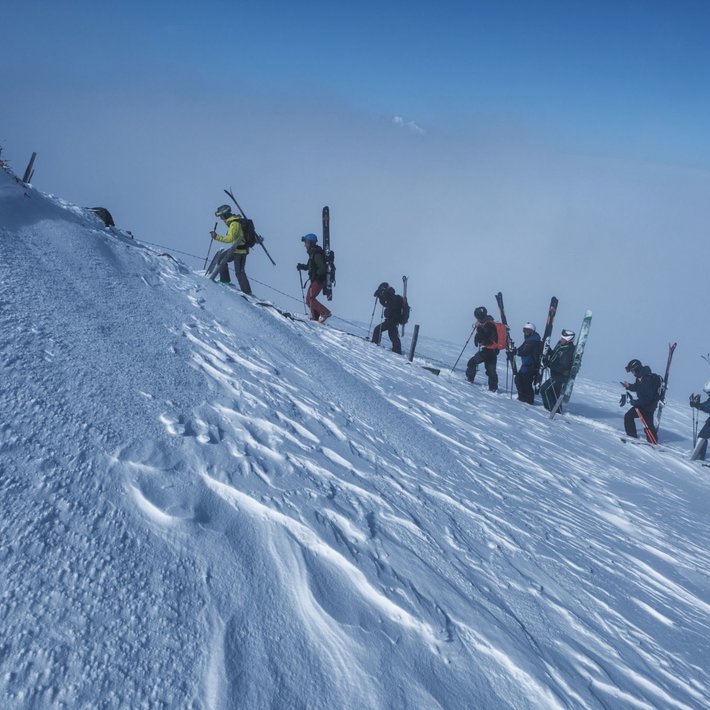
(630, 422)
(240, 262)
(391, 329)
(318, 310)
(551, 391)
(700, 449)
(701, 446)
(524, 385)
(488, 357)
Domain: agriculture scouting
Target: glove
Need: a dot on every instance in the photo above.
(622, 401)
(302, 267)
(695, 401)
(213, 234)
(513, 351)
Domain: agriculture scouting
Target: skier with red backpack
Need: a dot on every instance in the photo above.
(491, 338)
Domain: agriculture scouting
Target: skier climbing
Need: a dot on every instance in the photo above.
(393, 305)
(529, 353)
(317, 270)
(235, 233)
(704, 434)
(486, 337)
(559, 364)
(646, 387)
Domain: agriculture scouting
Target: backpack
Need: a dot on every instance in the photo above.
(249, 232)
(329, 274)
(658, 387)
(406, 309)
(502, 337)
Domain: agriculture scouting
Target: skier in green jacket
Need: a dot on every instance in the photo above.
(235, 235)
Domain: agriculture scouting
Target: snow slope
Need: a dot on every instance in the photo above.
(206, 504)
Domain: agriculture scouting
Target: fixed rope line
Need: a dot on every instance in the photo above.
(177, 251)
(251, 278)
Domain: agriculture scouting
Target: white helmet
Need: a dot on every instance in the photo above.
(706, 387)
(530, 326)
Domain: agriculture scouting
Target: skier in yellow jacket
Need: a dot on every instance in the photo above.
(235, 235)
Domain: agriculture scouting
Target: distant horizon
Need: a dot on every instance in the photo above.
(538, 150)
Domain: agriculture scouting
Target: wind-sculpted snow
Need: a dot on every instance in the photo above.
(206, 504)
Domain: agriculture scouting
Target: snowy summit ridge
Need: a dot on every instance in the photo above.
(207, 504)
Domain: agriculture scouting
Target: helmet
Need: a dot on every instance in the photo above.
(381, 289)
(530, 326)
(480, 313)
(223, 211)
(706, 387)
(568, 335)
(310, 237)
(633, 365)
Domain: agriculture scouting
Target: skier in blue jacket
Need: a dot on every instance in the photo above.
(529, 353)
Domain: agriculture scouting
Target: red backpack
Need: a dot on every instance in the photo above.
(502, 335)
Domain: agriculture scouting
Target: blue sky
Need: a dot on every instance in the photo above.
(569, 66)
(513, 135)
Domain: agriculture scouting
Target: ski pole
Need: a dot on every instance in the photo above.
(372, 317)
(695, 427)
(462, 351)
(214, 229)
(649, 434)
(404, 294)
(303, 293)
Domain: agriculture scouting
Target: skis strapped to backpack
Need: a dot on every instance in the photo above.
(664, 385)
(576, 364)
(405, 304)
(329, 255)
(508, 341)
(248, 227)
(545, 343)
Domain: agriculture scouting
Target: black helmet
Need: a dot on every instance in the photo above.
(480, 313)
(381, 289)
(223, 211)
(634, 365)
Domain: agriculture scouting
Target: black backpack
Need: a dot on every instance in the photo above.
(658, 387)
(250, 238)
(404, 318)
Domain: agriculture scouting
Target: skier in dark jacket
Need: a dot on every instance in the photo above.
(317, 269)
(704, 434)
(646, 391)
(393, 305)
(529, 353)
(486, 338)
(559, 363)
